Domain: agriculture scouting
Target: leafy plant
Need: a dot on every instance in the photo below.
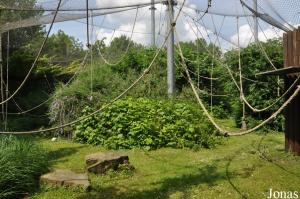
(146, 123)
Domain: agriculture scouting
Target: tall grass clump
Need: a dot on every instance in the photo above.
(22, 161)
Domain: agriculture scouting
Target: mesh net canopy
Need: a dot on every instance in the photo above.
(281, 15)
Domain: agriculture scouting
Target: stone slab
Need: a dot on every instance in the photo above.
(66, 178)
(101, 162)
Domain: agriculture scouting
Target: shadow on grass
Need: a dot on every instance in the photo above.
(57, 155)
(264, 156)
(229, 178)
(208, 175)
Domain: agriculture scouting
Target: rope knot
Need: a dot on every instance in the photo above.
(146, 71)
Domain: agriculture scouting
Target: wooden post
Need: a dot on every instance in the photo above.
(291, 45)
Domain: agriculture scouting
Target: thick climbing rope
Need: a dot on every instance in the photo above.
(204, 92)
(278, 80)
(146, 71)
(22, 112)
(37, 57)
(211, 119)
(222, 131)
(127, 48)
(240, 72)
(230, 72)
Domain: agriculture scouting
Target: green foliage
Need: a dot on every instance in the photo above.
(259, 94)
(22, 36)
(202, 66)
(21, 163)
(63, 48)
(146, 123)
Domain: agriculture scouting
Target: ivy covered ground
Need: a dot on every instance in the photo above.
(241, 167)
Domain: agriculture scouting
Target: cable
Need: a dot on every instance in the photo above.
(206, 11)
(260, 45)
(211, 119)
(79, 9)
(280, 17)
(127, 48)
(36, 59)
(222, 131)
(216, 13)
(146, 71)
(239, 89)
(83, 63)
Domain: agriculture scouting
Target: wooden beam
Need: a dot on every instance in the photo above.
(281, 71)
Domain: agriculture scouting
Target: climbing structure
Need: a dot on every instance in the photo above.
(291, 75)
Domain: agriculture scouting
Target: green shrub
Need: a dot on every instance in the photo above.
(146, 123)
(21, 163)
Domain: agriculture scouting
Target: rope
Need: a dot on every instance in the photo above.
(203, 91)
(205, 27)
(79, 9)
(280, 17)
(206, 11)
(240, 71)
(259, 43)
(37, 57)
(146, 71)
(238, 87)
(222, 131)
(211, 119)
(83, 63)
(127, 48)
(217, 13)
(275, 102)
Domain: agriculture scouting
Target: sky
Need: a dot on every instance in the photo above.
(114, 25)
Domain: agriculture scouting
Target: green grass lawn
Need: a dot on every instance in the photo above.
(242, 167)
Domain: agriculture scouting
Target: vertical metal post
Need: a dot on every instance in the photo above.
(170, 49)
(6, 89)
(1, 77)
(152, 23)
(255, 24)
(87, 24)
(211, 79)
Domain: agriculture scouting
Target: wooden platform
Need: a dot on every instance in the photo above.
(282, 71)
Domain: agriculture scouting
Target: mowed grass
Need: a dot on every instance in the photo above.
(242, 167)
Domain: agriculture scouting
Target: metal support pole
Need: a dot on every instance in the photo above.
(255, 24)
(1, 78)
(170, 48)
(152, 23)
(6, 88)
(87, 24)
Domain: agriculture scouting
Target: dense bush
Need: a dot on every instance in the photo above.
(21, 164)
(146, 123)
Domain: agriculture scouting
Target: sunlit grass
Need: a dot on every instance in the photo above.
(242, 167)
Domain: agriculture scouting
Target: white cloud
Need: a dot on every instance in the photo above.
(125, 29)
(123, 23)
(246, 35)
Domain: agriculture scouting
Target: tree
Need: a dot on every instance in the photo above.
(19, 37)
(63, 48)
(263, 91)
